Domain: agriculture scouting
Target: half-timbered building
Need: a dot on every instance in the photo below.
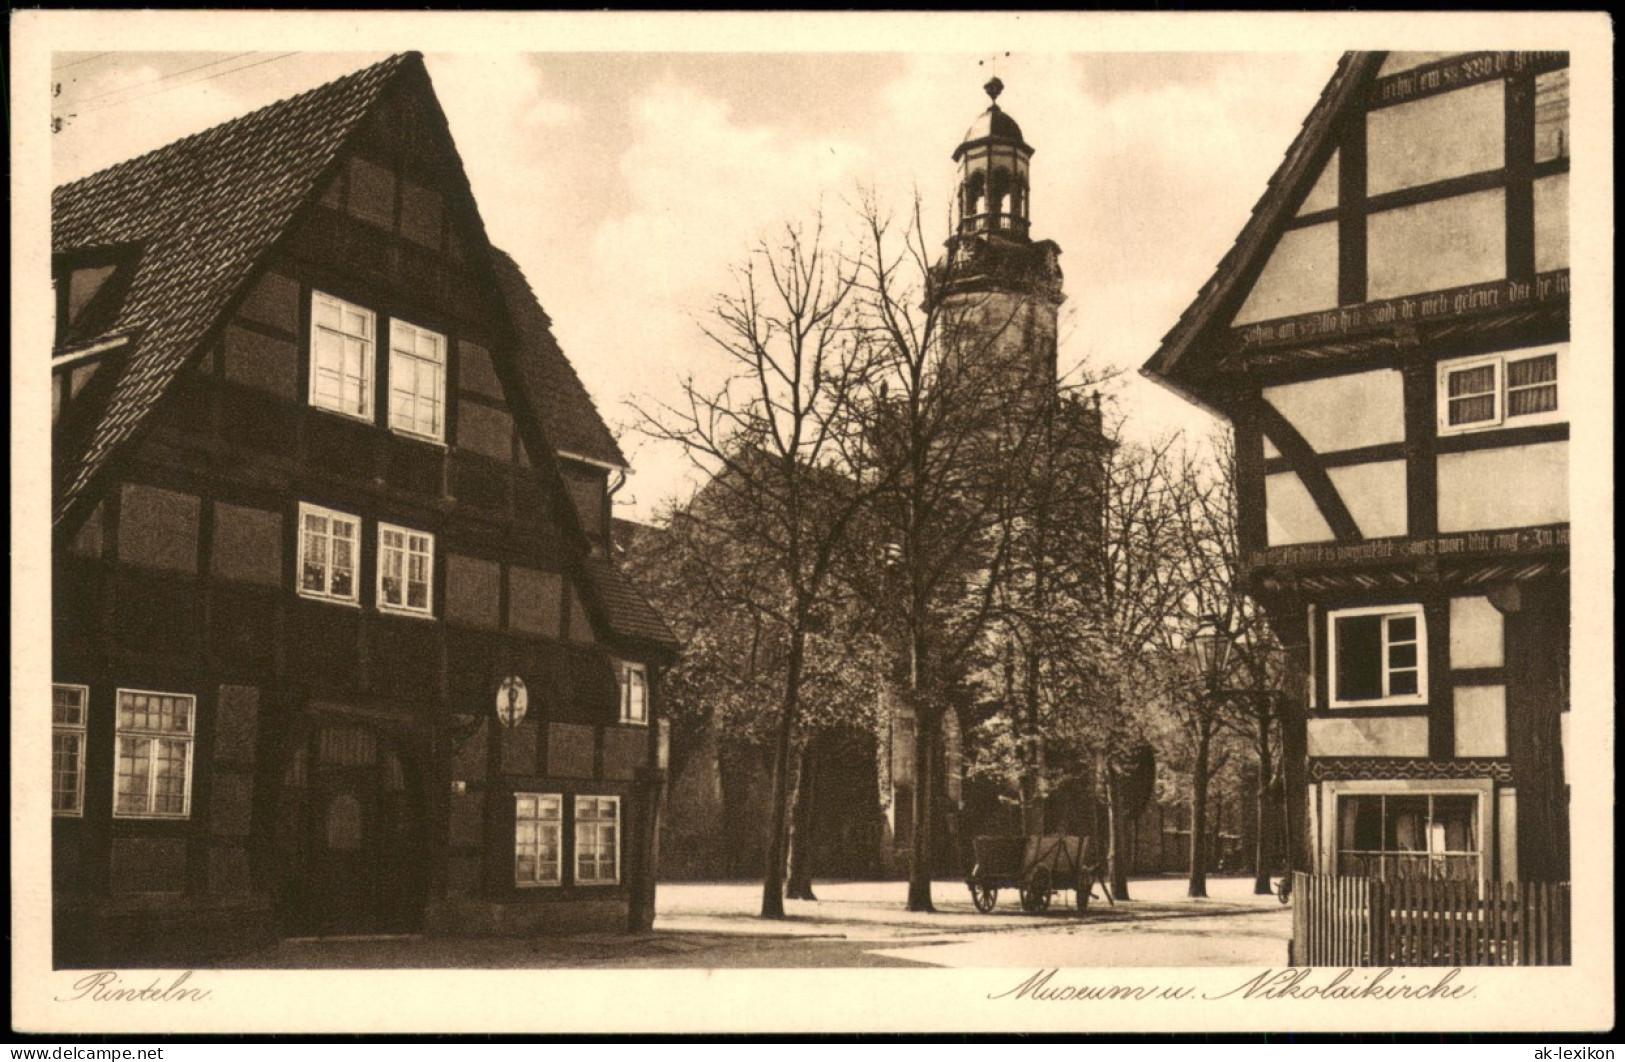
(339, 645)
(1389, 338)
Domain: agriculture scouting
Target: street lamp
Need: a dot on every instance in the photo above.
(1212, 648)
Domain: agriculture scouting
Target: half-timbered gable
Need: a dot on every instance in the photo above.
(1389, 338)
(311, 529)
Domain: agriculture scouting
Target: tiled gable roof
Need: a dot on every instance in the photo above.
(1286, 187)
(629, 613)
(568, 414)
(203, 211)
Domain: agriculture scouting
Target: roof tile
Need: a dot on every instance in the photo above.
(204, 210)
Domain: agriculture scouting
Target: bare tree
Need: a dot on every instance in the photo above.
(785, 425)
(951, 429)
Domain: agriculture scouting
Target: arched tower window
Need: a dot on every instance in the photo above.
(975, 194)
(998, 196)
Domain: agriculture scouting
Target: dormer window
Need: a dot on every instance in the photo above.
(341, 356)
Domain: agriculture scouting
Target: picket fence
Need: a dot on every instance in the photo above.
(1372, 922)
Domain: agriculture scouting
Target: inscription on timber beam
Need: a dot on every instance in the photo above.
(1459, 72)
(1410, 309)
(1524, 540)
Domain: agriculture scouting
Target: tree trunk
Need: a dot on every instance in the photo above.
(801, 828)
(927, 725)
(1198, 883)
(1033, 800)
(1116, 861)
(773, 872)
(1266, 768)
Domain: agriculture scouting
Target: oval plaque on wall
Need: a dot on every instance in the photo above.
(512, 701)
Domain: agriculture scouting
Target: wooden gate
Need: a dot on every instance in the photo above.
(1373, 922)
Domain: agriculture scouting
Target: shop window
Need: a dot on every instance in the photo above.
(634, 693)
(342, 338)
(1378, 656)
(538, 839)
(1502, 390)
(154, 778)
(417, 381)
(598, 841)
(328, 544)
(1431, 836)
(405, 570)
(68, 711)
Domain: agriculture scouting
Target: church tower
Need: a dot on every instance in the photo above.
(1000, 288)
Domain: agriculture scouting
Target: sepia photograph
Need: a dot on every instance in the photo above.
(811, 523)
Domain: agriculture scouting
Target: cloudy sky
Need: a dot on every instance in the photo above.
(625, 183)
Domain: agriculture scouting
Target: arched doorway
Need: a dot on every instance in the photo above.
(350, 834)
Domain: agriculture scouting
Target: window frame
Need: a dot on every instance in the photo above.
(628, 669)
(558, 840)
(442, 366)
(80, 732)
(594, 824)
(1479, 789)
(1501, 362)
(369, 380)
(188, 741)
(1388, 698)
(404, 608)
(326, 594)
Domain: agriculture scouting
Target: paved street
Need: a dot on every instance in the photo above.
(714, 925)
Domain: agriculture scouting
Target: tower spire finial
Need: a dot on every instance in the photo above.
(993, 88)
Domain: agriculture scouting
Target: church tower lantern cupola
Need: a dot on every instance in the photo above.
(993, 162)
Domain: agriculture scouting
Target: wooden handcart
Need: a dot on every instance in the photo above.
(1037, 867)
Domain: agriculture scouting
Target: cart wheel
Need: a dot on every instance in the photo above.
(1036, 893)
(983, 896)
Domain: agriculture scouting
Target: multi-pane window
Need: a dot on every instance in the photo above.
(342, 344)
(598, 840)
(154, 769)
(417, 381)
(538, 844)
(328, 543)
(1378, 656)
(1410, 835)
(1473, 395)
(68, 708)
(634, 693)
(405, 569)
(1500, 390)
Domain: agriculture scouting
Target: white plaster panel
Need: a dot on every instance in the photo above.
(1481, 720)
(1476, 633)
(1436, 137)
(1378, 736)
(1269, 449)
(1552, 223)
(1300, 276)
(1291, 516)
(1323, 196)
(1375, 496)
(1343, 412)
(1440, 244)
(1511, 486)
(1506, 821)
(1398, 61)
